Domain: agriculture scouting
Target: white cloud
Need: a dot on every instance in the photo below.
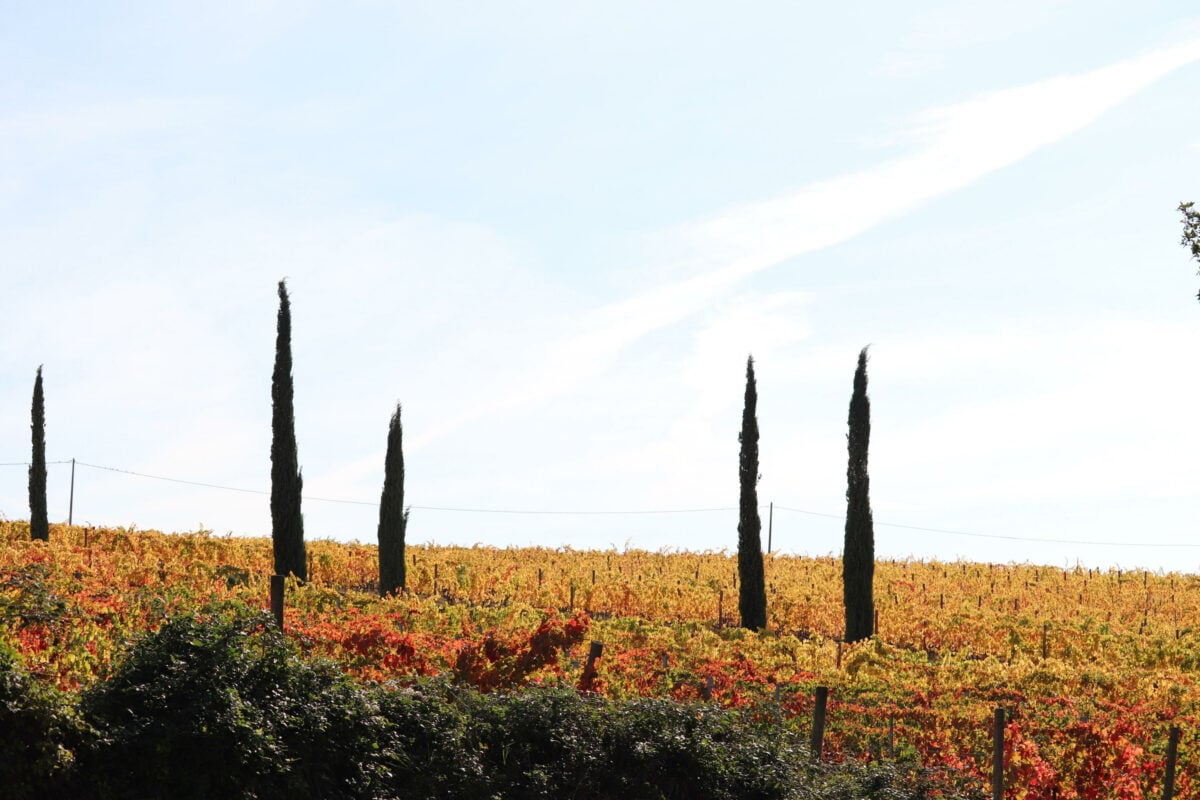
(959, 145)
(966, 24)
(690, 458)
(1076, 413)
(87, 123)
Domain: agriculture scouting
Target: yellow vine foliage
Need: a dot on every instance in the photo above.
(1073, 652)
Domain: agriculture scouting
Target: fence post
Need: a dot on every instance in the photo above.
(589, 668)
(817, 740)
(1172, 753)
(71, 504)
(998, 755)
(277, 600)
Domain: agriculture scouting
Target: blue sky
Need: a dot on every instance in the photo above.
(554, 232)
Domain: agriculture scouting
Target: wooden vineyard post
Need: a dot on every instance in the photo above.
(720, 607)
(708, 687)
(588, 678)
(277, 600)
(1172, 754)
(998, 755)
(817, 740)
(891, 737)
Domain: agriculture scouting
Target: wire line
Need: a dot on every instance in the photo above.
(371, 503)
(599, 512)
(171, 480)
(580, 513)
(996, 535)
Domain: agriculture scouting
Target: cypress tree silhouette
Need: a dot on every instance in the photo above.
(393, 517)
(287, 523)
(752, 593)
(39, 525)
(858, 558)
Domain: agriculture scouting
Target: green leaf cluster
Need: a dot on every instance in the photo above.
(220, 704)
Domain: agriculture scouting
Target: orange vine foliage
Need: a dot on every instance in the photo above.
(1093, 667)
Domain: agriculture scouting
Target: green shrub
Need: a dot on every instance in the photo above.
(37, 729)
(435, 748)
(664, 749)
(542, 742)
(225, 707)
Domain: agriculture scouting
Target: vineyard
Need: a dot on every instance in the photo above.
(1091, 667)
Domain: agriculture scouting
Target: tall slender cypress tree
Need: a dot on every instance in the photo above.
(393, 517)
(752, 592)
(287, 523)
(39, 525)
(858, 558)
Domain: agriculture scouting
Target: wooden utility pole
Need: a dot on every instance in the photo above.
(770, 525)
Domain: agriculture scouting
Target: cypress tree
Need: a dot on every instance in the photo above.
(752, 593)
(287, 523)
(858, 558)
(39, 525)
(393, 517)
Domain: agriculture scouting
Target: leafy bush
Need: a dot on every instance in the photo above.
(663, 749)
(542, 742)
(37, 729)
(437, 752)
(225, 707)
(26, 597)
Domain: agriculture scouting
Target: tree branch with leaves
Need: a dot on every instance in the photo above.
(1191, 231)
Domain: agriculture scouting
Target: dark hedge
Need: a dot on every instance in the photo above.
(225, 706)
